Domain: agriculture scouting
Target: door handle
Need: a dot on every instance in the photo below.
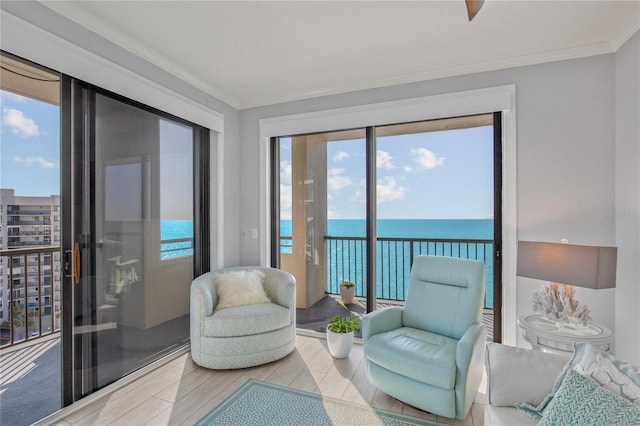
(72, 260)
(76, 263)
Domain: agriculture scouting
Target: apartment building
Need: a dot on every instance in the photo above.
(30, 226)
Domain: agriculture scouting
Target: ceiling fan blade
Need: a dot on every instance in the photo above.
(473, 7)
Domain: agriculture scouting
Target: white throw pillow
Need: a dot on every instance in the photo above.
(239, 288)
(516, 374)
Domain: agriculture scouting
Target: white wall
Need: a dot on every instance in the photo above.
(565, 160)
(627, 208)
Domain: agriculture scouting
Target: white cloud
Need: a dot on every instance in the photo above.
(340, 156)
(387, 189)
(18, 123)
(426, 159)
(408, 169)
(30, 161)
(332, 214)
(14, 97)
(285, 172)
(336, 181)
(285, 201)
(384, 160)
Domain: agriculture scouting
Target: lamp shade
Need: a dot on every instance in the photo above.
(578, 265)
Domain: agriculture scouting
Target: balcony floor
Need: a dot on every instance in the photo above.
(30, 386)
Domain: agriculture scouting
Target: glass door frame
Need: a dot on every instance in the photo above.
(371, 213)
(77, 103)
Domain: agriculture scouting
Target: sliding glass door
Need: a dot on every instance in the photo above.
(359, 205)
(322, 235)
(131, 245)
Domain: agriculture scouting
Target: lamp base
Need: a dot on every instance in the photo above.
(557, 303)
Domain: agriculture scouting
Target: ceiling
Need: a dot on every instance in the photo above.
(263, 52)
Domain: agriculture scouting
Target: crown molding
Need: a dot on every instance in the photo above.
(626, 32)
(90, 23)
(500, 64)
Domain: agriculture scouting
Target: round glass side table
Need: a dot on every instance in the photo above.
(543, 333)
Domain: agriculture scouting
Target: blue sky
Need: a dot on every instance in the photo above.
(433, 175)
(29, 146)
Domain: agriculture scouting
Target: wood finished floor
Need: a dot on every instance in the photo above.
(181, 392)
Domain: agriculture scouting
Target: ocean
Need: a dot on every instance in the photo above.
(346, 257)
(172, 230)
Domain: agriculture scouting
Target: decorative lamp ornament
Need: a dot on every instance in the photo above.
(566, 265)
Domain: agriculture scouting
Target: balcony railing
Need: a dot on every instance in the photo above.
(347, 259)
(176, 247)
(25, 318)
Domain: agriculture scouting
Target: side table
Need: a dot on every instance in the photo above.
(543, 333)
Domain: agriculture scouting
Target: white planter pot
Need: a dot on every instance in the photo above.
(347, 295)
(340, 344)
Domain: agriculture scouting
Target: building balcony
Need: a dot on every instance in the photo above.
(29, 320)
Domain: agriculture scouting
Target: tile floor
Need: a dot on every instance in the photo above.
(180, 392)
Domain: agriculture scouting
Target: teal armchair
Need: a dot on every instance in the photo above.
(430, 353)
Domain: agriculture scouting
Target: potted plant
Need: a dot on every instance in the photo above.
(347, 288)
(340, 335)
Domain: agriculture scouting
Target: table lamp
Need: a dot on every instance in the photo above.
(566, 265)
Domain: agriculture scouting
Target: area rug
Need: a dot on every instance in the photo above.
(259, 403)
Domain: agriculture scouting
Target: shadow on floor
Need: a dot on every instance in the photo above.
(315, 318)
(31, 385)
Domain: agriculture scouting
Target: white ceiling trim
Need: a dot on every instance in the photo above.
(626, 32)
(525, 60)
(47, 49)
(89, 21)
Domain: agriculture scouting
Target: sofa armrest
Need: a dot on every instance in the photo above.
(380, 321)
(517, 375)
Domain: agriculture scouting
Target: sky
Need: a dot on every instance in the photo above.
(434, 175)
(30, 159)
(29, 146)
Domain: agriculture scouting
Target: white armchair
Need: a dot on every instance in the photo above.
(243, 336)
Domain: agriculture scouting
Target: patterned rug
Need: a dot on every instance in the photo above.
(259, 403)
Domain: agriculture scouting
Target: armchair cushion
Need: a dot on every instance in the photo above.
(246, 320)
(237, 288)
(418, 354)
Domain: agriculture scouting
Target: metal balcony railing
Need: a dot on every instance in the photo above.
(347, 259)
(28, 318)
(176, 247)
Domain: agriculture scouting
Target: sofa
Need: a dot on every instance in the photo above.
(543, 380)
(246, 334)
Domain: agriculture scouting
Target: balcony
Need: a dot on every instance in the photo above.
(30, 380)
(346, 260)
(26, 321)
(29, 337)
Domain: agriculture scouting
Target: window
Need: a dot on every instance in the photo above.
(434, 194)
